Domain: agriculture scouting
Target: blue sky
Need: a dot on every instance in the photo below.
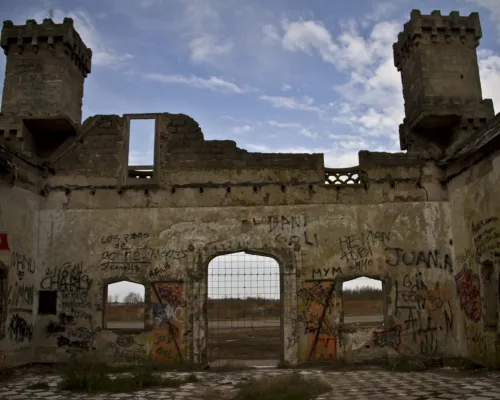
(273, 75)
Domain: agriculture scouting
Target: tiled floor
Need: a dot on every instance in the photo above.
(360, 384)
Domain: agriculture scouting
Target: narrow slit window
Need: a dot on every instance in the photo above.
(141, 149)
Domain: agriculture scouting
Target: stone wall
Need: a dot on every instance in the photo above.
(20, 265)
(475, 217)
(406, 245)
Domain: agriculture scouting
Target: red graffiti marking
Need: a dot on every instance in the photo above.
(4, 244)
(388, 338)
(325, 349)
(469, 290)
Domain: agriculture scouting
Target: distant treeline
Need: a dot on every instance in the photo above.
(360, 293)
(363, 293)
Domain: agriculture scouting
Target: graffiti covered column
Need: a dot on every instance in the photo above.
(168, 304)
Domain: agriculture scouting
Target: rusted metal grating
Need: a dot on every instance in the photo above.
(342, 176)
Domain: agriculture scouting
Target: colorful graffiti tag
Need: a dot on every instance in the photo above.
(319, 303)
(469, 291)
(168, 308)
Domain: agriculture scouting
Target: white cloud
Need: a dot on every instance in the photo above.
(202, 26)
(212, 83)
(309, 36)
(286, 125)
(291, 103)
(335, 157)
(348, 50)
(371, 99)
(103, 55)
(242, 129)
(205, 48)
(286, 88)
(489, 69)
(270, 34)
(307, 133)
(492, 6)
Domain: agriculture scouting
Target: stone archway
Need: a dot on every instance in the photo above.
(244, 308)
(197, 289)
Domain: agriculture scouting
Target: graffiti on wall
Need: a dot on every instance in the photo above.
(424, 313)
(128, 349)
(319, 310)
(70, 334)
(388, 337)
(20, 296)
(22, 264)
(469, 292)
(486, 235)
(123, 255)
(289, 230)
(19, 329)
(424, 258)
(168, 307)
(70, 280)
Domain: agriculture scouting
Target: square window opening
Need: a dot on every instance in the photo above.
(47, 302)
(364, 298)
(125, 306)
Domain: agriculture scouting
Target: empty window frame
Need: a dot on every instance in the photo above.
(47, 302)
(125, 306)
(363, 300)
(141, 138)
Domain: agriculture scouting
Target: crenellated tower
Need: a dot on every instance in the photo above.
(436, 56)
(43, 90)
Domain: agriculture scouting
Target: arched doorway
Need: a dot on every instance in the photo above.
(244, 309)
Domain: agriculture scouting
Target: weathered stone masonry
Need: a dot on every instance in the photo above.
(74, 217)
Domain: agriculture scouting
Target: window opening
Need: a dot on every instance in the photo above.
(244, 308)
(47, 302)
(363, 301)
(124, 306)
(141, 148)
(490, 296)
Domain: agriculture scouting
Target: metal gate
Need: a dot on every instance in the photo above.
(244, 308)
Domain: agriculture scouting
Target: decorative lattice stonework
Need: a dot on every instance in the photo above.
(342, 176)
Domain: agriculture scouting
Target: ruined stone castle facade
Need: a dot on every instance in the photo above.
(74, 216)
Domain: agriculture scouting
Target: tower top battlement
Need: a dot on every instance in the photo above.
(33, 35)
(436, 28)
(437, 58)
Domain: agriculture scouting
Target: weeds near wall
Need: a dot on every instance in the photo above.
(287, 387)
(95, 377)
(39, 385)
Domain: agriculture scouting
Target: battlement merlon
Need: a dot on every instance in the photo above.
(34, 34)
(436, 27)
